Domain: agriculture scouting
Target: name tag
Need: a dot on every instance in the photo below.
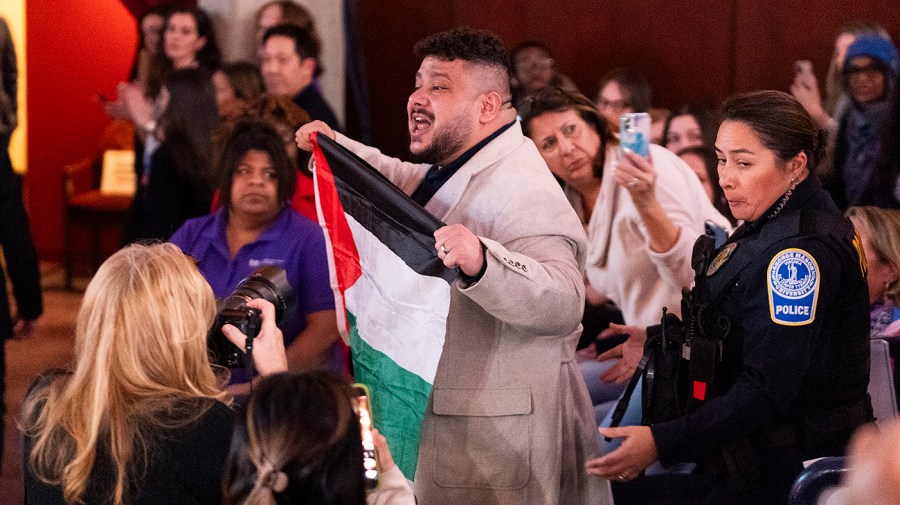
(259, 262)
(793, 279)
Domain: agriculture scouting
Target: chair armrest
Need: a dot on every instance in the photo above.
(78, 177)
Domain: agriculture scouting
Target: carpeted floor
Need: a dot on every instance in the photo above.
(50, 346)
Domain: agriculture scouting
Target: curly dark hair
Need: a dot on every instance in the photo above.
(465, 43)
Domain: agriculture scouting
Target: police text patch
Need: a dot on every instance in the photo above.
(793, 284)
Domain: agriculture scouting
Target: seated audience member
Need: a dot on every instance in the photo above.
(299, 442)
(879, 232)
(174, 179)
(703, 161)
(805, 88)
(693, 125)
(279, 12)
(870, 71)
(620, 91)
(641, 216)
(256, 227)
(285, 117)
(659, 116)
(237, 84)
(290, 63)
(533, 70)
(141, 418)
(874, 473)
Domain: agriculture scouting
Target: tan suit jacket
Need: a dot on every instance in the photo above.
(509, 420)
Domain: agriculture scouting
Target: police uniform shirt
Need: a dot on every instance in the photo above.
(794, 291)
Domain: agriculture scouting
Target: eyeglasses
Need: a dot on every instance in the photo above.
(870, 71)
(615, 105)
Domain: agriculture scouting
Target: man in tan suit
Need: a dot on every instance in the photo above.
(509, 419)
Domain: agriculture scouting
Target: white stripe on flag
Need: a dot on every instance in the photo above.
(398, 312)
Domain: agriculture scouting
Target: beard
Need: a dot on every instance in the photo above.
(445, 142)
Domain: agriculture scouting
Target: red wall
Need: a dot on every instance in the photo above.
(73, 52)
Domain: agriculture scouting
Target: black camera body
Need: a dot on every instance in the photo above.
(269, 283)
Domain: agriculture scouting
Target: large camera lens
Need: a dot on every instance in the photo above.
(269, 283)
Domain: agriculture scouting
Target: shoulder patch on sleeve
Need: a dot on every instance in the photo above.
(793, 285)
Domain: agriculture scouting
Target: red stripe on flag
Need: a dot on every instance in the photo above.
(346, 256)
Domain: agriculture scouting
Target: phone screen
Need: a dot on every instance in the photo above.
(634, 133)
(364, 411)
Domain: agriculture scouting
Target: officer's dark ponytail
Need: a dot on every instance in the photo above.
(780, 122)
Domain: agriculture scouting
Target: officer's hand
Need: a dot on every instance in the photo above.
(638, 451)
(629, 353)
(305, 131)
(457, 246)
(268, 347)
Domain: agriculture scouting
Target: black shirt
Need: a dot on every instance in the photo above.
(184, 467)
(315, 105)
(437, 176)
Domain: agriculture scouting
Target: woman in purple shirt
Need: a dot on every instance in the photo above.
(254, 227)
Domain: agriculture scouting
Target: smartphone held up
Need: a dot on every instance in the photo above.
(364, 412)
(634, 133)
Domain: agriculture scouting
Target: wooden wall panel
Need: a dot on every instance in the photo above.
(389, 29)
(772, 34)
(691, 51)
(664, 40)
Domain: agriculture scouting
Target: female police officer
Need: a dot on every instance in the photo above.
(789, 287)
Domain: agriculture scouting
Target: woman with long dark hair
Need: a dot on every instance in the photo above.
(175, 182)
(299, 441)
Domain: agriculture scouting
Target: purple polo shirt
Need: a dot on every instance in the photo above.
(293, 242)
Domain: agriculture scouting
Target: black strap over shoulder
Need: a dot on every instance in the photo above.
(661, 352)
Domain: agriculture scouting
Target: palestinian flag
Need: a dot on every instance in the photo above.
(394, 289)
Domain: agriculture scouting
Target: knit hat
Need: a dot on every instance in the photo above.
(877, 48)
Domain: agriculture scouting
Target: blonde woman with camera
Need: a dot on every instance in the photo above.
(141, 417)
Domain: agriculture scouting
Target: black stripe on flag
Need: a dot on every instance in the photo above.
(401, 224)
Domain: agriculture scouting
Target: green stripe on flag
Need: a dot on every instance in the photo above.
(399, 399)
